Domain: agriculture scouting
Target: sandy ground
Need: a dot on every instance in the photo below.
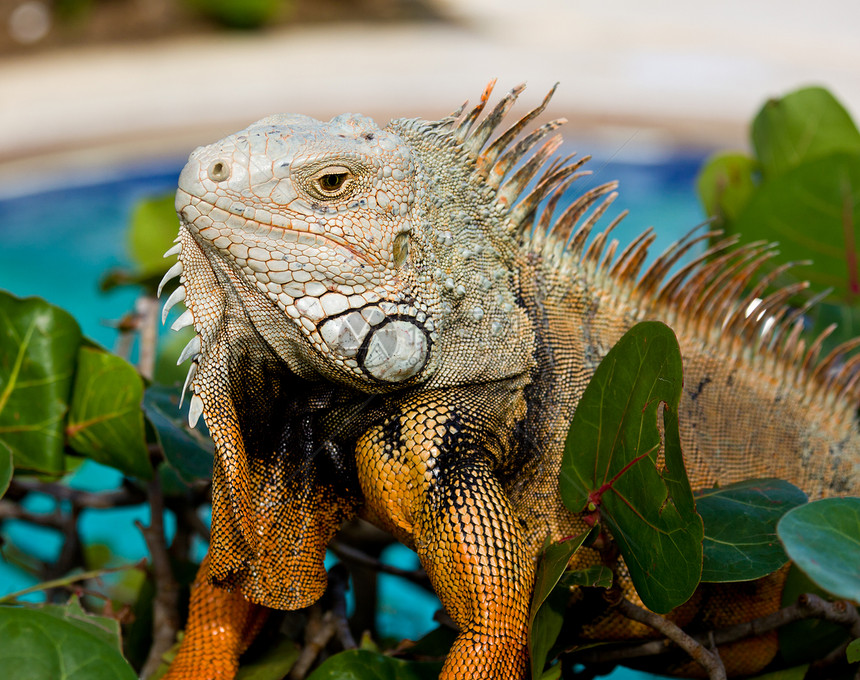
(659, 72)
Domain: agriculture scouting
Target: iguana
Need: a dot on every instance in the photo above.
(396, 323)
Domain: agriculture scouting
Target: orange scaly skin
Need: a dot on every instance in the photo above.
(221, 625)
(386, 327)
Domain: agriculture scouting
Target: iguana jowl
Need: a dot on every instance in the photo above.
(388, 327)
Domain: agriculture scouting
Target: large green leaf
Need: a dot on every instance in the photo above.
(610, 465)
(39, 645)
(360, 664)
(725, 184)
(740, 528)
(802, 126)
(813, 211)
(548, 604)
(105, 419)
(189, 451)
(823, 540)
(38, 350)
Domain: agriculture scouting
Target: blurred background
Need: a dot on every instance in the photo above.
(97, 92)
(138, 78)
(102, 100)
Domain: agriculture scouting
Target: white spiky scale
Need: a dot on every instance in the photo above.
(189, 379)
(174, 250)
(192, 349)
(183, 321)
(177, 295)
(195, 410)
(172, 273)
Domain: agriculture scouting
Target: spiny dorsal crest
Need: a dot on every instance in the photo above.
(521, 173)
(721, 293)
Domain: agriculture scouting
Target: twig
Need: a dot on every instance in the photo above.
(320, 629)
(338, 584)
(147, 310)
(165, 614)
(68, 580)
(192, 520)
(807, 606)
(56, 519)
(708, 660)
(347, 552)
(128, 495)
(72, 552)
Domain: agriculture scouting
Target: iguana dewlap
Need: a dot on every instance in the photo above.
(387, 326)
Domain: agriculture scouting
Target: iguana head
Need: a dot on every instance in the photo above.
(311, 223)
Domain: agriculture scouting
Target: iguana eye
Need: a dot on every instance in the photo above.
(331, 182)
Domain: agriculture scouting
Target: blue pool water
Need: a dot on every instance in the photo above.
(58, 238)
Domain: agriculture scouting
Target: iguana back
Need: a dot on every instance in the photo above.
(391, 323)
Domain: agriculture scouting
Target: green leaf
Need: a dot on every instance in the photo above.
(802, 126)
(740, 528)
(105, 419)
(823, 540)
(7, 468)
(853, 651)
(154, 226)
(813, 211)
(610, 465)
(360, 664)
(188, 451)
(103, 627)
(38, 350)
(725, 184)
(38, 645)
(275, 663)
(597, 576)
(547, 610)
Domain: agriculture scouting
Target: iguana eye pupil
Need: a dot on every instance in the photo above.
(332, 181)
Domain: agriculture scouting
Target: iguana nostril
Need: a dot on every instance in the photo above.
(218, 171)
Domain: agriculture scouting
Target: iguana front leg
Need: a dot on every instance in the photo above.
(221, 624)
(427, 477)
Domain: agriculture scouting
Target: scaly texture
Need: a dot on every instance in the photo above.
(387, 325)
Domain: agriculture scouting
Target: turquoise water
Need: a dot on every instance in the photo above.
(58, 241)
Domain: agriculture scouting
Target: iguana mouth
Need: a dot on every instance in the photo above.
(303, 237)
